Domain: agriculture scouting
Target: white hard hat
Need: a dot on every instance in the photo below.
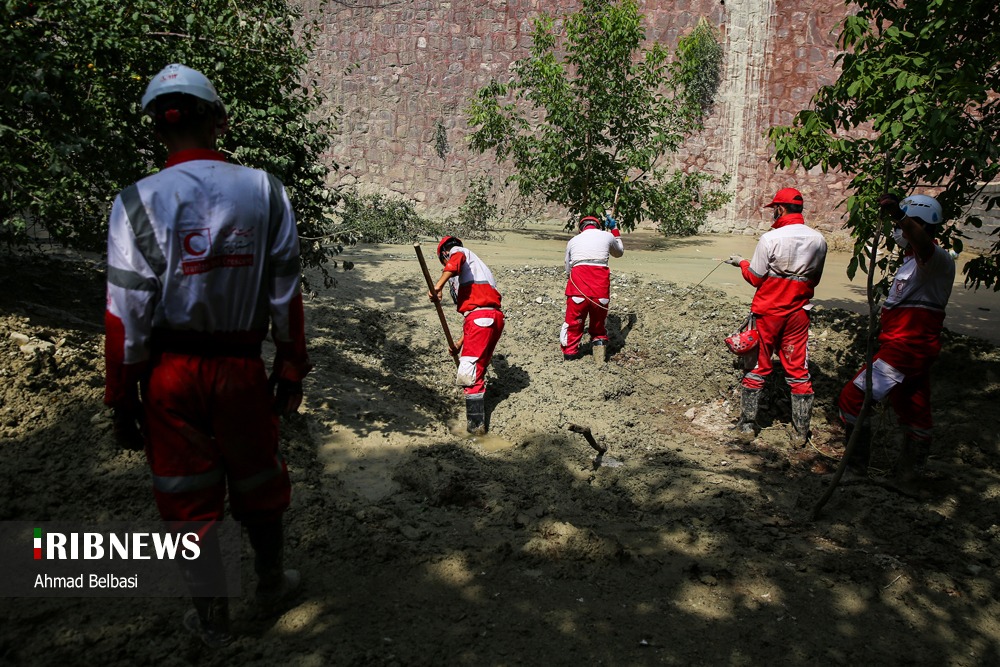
(181, 79)
(924, 208)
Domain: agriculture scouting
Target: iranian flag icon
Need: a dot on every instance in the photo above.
(38, 543)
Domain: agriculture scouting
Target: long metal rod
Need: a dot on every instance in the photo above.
(437, 302)
(866, 406)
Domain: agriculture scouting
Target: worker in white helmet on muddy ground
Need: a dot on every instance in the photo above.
(910, 337)
(588, 288)
(203, 258)
(786, 267)
(475, 292)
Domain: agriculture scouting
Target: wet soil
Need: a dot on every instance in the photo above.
(420, 545)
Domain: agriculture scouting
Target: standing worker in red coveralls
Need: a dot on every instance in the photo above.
(202, 257)
(912, 319)
(786, 268)
(588, 290)
(475, 292)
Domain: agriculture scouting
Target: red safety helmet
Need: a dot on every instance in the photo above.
(744, 343)
(446, 244)
(786, 196)
(589, 221)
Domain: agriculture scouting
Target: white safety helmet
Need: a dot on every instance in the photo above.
(181, 79)
(923, 208)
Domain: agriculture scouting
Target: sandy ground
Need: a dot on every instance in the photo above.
(421, 546)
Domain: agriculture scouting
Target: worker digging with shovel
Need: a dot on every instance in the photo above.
(588, 290)
(475, 292)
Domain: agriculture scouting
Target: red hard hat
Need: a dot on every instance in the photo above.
(744, 344)
(786, 196)
(451, 242)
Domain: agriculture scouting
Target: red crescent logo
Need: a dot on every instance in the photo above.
(187, 244)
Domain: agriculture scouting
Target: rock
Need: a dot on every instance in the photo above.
(975, 569)
(709, 580)
(690, 414)
(538, 300)
(410, 533)
(19, 339)
(41, 347)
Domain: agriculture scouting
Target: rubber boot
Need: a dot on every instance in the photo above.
(802, 409)
(209, 621)
(913, 457)
(858, 463)
(749, 402)
(600, 351)
(274, 583)
(475, 414)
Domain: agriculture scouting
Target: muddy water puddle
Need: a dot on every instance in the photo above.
(488, 443)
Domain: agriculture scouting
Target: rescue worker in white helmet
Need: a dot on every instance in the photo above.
(475, 292)
(910, 337)
(203, 257)
(588, 288)
(786, 267)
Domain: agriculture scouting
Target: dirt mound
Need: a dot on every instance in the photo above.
(421, 546)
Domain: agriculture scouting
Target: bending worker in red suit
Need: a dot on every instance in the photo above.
(588, 290)
(475, 293)
(910, 339)
(202, 257)
(786, 268)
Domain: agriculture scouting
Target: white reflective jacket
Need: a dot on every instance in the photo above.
(203, 247)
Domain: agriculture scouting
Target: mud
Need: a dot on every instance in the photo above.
(421, 546)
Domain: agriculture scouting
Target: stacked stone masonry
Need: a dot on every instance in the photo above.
(402, 72)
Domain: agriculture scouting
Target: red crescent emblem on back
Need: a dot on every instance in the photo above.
(187, 244)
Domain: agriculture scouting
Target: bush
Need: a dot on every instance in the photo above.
(377, 218)
(486, 211)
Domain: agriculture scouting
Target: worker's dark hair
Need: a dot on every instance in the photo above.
(179, 113)
(793, 208)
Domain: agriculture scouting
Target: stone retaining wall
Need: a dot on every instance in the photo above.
(420, 61)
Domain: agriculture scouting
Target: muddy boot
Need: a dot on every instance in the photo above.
(858, 463)
(749, 403)
(209, 621)
(802, 408)
(913, 458)
(600, 351)
(475, 414)
(274, 583)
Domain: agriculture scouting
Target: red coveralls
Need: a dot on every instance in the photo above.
(202, 256)
(786, 267)
(588, 290)
(912, 319)
(479, 300)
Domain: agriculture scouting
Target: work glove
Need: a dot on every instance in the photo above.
(735, 260)
(127, 428)
(610, 222)
(287, 395)
(889, 206)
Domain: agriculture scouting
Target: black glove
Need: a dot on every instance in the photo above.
(287, 395)
(889, 206)
(127, 427)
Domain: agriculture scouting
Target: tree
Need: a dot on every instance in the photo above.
(611, 112)
(72, 133)
(917, 92)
